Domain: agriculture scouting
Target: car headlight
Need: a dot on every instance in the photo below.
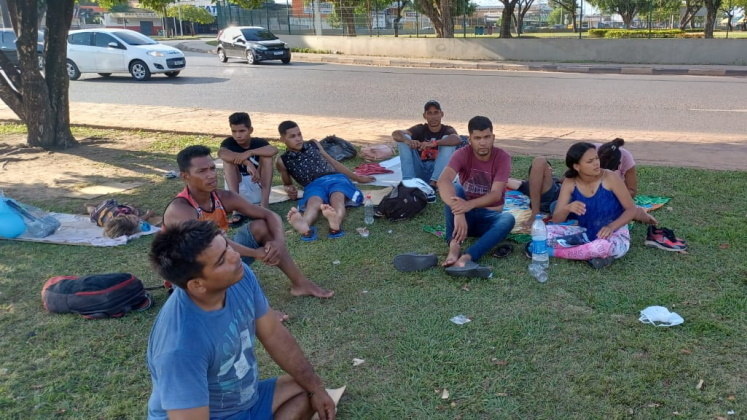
(155, 53)
(260, 47)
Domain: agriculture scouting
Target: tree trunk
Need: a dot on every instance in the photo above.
(40, 101)
(506, 15)
(446, 19)
(627, 19)
(710, 22)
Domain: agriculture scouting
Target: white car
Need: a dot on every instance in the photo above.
(109, 50)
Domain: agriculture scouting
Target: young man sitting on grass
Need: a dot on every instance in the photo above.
(247, 162)
(326, 182)
(474, 206)
(201, 348)
(261, 239)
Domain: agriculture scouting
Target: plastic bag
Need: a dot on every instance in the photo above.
(39, 223)
(11, 223)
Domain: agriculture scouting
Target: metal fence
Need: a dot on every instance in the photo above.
(281, 19)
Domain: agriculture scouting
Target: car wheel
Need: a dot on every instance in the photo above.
(105, 75)
(139, 71)
(222, 55)
(72, 70)
(171, 74)
(286, 60)
(250, 59)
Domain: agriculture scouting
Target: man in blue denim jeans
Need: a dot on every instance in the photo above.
(425, 149)
(474, 206)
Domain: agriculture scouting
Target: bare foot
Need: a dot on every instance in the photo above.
(281, 316)
(311, 289)
(334, 218)
(295, 218)
(454, 250)
(463, 260)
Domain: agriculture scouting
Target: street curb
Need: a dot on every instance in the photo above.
(498, 66)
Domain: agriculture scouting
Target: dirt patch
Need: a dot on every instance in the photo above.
(35, 174)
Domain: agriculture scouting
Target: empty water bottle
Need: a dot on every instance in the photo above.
(539, 243)
(368, 210)
(538, 272)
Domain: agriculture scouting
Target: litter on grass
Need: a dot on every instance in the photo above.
(660, 316)
(460, 320)
(358, 362)
(362, 231)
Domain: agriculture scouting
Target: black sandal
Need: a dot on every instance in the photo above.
(502, 251)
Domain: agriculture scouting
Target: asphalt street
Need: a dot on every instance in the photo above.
(596, 101)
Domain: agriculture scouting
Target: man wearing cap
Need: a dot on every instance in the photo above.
(425, 149)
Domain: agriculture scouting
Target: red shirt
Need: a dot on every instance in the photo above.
(477, 176)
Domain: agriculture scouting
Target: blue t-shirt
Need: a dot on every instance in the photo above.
(198, 358)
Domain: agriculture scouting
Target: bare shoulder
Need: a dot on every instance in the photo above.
(179, 210)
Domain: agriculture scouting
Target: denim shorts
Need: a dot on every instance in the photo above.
(547, 199)
(244, 237)
(323, 188)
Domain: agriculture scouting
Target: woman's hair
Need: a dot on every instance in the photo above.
(610, 155)
(573, 156)
(124, 224)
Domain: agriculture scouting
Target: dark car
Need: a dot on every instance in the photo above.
(251, 43)
(8, 46)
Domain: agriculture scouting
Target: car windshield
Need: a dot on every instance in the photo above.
(134, 38)
(258, 35)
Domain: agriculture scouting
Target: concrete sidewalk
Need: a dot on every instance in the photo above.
(597, 68)
(700, 150)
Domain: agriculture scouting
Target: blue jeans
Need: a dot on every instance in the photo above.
(489, 226)
(427, 170)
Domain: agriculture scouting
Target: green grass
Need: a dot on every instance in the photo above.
(571, 348)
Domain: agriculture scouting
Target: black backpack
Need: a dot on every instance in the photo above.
(96, 296)
(338, 148)
(402, 203)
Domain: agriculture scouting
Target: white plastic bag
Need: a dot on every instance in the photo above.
(660, 316)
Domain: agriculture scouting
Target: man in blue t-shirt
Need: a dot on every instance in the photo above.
(201, 348)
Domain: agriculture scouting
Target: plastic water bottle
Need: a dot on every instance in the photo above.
(368, 210)
(538, 272)
(539, 243)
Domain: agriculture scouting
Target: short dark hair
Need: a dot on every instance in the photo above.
(478, 124)
(285, 126)
(574, 155)
(185, 156)
(610, 154)
(432, 104)
(174, 251)
(240, 118)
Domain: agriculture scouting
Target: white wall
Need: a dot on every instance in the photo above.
(623, 51)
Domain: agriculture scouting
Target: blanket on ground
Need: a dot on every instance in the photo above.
(76, 229)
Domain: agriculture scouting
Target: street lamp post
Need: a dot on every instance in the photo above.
(581, 19)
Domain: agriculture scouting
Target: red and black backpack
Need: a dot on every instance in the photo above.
(96, 296)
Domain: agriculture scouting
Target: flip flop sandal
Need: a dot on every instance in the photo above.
(310, 236)
(334, 234)
(471, 269)
(414, 262)
(502, 251)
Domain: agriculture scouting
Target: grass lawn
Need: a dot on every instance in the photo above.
(570, 348)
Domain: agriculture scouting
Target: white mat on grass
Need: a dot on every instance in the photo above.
(77, 229)
(389, 180)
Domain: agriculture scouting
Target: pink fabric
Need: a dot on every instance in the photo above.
(477, 176)
(616, 245)
(371, 169)
(626, 161)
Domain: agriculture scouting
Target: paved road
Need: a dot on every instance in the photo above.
(714, 105)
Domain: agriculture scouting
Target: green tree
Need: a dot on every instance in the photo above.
(191, 14)
(556, 16)
(39, 96)
(712, 7)
(345, 12)
(522, 7)
(692, 7)
(440, 13)
(627, 9)
(568, 6)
